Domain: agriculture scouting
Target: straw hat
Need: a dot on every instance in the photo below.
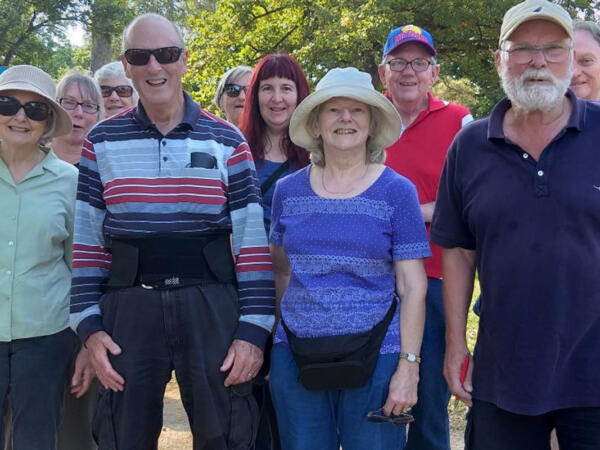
(31, 79)
(351, 83)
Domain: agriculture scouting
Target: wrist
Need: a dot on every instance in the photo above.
(411, 357)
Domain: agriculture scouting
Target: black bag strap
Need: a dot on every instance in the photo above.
(274, 177)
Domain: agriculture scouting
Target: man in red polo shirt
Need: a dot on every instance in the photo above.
(408, 71)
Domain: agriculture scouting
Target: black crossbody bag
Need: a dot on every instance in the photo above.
(339, 362)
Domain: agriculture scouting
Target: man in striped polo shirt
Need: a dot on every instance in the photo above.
(162, 188)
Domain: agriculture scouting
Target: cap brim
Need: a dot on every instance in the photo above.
(389, 130)
(63, 123)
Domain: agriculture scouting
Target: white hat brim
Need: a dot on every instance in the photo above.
(389, 125)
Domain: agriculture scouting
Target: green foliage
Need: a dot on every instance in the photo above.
(322, 34)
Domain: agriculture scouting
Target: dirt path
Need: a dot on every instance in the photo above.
(176, 432)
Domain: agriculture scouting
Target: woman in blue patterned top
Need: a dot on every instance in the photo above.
(347, 238)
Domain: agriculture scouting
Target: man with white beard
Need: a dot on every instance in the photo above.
(519, 201)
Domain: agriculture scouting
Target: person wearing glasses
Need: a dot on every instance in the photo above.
(586, 76)
(347, 241)
(162, 189)
(408, 71)
(517, 202)
(231, 93)
(117, 91)
(37, 194)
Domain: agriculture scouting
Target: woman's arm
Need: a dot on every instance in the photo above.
(281, 271)
(411, 286)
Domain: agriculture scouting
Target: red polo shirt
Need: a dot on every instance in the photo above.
(420, 153)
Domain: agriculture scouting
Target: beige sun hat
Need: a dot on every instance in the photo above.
(346, 82)
(532, 10)
(32, 79)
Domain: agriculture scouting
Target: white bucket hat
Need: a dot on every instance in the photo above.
(32, 79)
(346, 82)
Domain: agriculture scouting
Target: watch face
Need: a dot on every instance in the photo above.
(411, 357)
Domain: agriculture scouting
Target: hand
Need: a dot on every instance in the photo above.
(452, 363)
(83, 374)
(99, 344)
(244, 359)
(402, 393)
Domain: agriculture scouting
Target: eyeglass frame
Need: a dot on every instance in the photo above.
(430, 62)
(128, 54)
(27, 106)
(76, 104)
(239, 87)
(535, 49)
(377, 416)
(112, 89)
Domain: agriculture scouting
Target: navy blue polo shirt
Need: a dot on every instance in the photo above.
(535, 227)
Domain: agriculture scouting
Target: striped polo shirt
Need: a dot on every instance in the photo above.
(135, 182)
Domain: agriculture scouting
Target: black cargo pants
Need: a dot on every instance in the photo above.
(187, 329)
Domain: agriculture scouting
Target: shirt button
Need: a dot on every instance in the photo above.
(540, 173)
(11, 243)
(525, 156)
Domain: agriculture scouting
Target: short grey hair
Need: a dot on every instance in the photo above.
(149, 16)
(228, 77)
(86, 85)
(589, 26)
(375, 154)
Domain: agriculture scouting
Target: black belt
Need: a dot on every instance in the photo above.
(168, 262)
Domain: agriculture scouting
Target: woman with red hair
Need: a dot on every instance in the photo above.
(277, 85)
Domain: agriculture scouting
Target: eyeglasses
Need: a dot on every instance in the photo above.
(86, 107)
(38, 111)
(234, 90)
(417, 64)
(122, 91)
(526, 54)
(164, 55)
(379, 417)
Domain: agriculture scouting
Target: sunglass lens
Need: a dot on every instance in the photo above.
(8, 106)
(233, 90)
(36, 110)
(167, 55)
(138, 56)
(124, 91)
(106, 91)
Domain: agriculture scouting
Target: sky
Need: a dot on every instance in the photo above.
(76, 35)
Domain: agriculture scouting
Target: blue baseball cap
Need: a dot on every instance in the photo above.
(408, 33)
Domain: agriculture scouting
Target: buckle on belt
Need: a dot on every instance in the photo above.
(167, 282)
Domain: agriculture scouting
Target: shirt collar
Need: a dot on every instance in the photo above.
(576, 119)
(190, 114)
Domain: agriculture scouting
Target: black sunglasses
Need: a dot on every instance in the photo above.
(164, 55)
(38, 111)
(378, 416)
(122, 91)
(234, 90)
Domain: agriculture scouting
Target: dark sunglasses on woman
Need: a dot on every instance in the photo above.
(38, 111)
(234, 90)
(164, 55)
(122, 91)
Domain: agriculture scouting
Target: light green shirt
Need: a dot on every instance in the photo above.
(36, 237)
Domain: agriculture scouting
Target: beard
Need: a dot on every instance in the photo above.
(534, 96)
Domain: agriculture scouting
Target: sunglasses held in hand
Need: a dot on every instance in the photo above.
(234, 90)
(378, 416)
(122, 91)
(163, 55)
(38, 111)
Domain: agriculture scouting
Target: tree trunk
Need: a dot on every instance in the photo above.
(101, 49)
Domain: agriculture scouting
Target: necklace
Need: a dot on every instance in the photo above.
(344, 192)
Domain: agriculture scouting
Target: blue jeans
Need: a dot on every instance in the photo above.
(430, 430)
(34, 374)
(325, 420)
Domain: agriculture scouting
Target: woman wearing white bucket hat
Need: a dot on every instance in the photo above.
(37, 194)
(347, 241)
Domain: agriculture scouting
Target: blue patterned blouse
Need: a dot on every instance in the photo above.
(342, 254)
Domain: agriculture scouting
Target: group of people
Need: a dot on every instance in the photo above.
(306, 266)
